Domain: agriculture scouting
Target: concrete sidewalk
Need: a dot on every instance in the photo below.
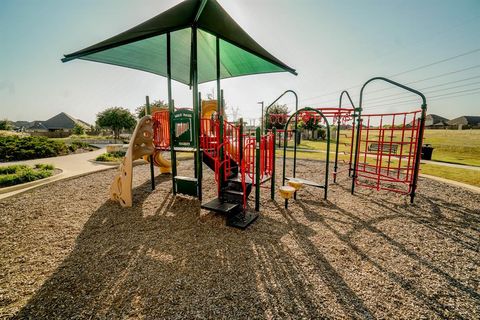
(72, 166)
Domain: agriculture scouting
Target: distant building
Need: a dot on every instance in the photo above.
(433, 121)
(60, 125)
(465, 122)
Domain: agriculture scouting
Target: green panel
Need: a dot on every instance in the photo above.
(238, 62)
(148, 55)
(186, 185)
(181, 51)
(183, 128)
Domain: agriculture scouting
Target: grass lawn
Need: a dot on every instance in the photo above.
(455, 146)
(467, 176)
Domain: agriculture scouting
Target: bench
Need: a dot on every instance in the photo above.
(385, 148)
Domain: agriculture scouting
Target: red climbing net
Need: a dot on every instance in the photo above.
(387, 151)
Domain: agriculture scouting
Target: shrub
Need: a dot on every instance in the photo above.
(111, 157)
(14, 148)
(17, 174)
(78, 129)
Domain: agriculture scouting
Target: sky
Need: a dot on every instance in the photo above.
(432, 45)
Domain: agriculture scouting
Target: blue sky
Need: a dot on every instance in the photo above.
(333, 44)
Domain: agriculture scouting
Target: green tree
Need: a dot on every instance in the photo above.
(280, 109)
(116, 119)
(140, 111)
(78, 129)
(5, 124)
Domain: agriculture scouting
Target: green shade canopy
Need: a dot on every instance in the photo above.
(144, 47)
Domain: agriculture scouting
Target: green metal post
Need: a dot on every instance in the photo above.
(272, 181)
(221, 141)
(199, 132)
(335, 167)
(257, 169)
(416, 169)
(148, 111)
(327, 165)
(171, 109)
(196, 115)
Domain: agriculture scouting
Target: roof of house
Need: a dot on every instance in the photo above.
(436, 118)
(60, 121)
(20, 124)
(465, 120)
(37, 124)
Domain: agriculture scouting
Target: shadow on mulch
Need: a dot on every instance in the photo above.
(171, 264)
(180, 263)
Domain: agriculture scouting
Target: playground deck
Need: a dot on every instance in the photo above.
(68, 252)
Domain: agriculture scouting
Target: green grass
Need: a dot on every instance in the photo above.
(17, 174)
(468, 176)
(111, 157)
(455, 146)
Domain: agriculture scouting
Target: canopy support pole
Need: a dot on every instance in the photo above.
(196, 115)
(219, 111)
(171, 110)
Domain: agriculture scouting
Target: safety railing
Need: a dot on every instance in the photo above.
(161, 129)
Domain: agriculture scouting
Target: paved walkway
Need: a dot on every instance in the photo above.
(72, 166)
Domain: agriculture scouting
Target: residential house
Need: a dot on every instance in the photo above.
(57, 126)
(465, 122)
(433, 121)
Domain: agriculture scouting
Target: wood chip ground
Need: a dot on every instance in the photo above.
(67, 252)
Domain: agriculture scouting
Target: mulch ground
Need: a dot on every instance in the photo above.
(67, 252)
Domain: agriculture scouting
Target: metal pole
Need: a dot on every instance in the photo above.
(171, 110)
(261, 118)
(200, 169)
(196, 114)
(257, 169)
(148, 111)
(419, 152)
(328, 156)
(272, 182)
(335, 167)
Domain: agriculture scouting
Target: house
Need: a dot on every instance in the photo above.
(21, 125)
(57, 126)
(465, 122)
(433, 121)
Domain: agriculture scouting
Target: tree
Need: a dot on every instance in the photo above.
(78, 129)
(5, 124)
(116, 119)
(280, 109)
(140, 111)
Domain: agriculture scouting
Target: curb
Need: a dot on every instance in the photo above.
(453, 183)
(31, 183)
(59, 177)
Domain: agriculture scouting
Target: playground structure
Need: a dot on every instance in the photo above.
(383, 151)
(219, 49)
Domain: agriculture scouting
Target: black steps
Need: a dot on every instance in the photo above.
(220, 206)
